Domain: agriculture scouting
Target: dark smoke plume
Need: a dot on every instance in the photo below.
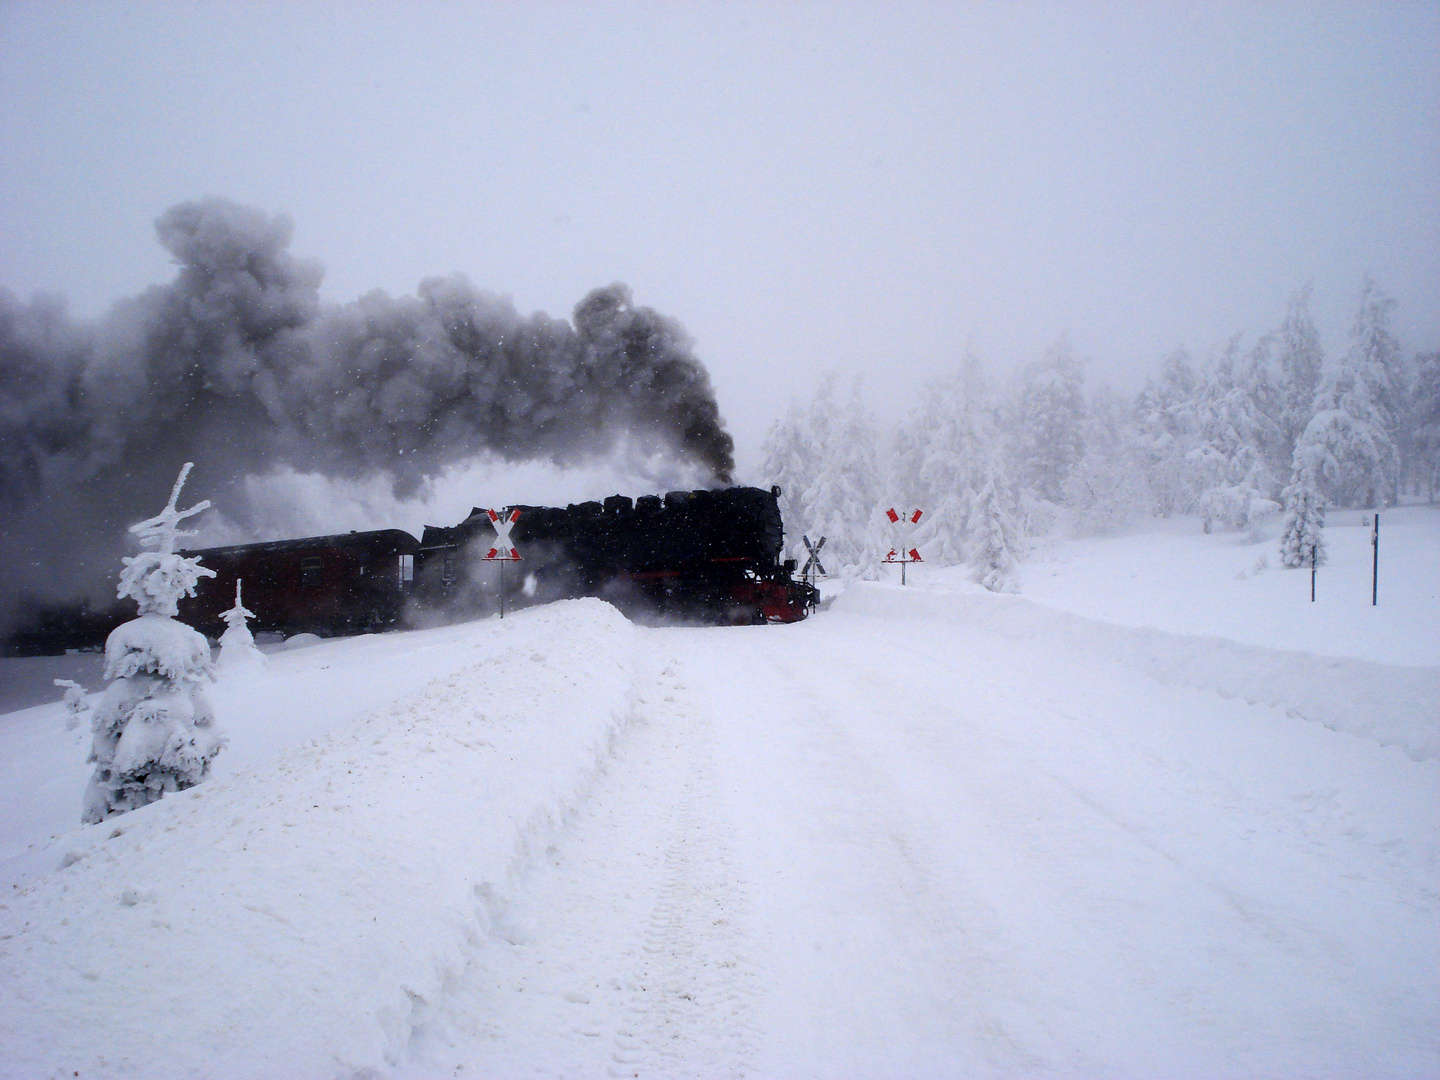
(237, 366)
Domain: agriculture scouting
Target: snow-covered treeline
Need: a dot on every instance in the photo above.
(1276, 427)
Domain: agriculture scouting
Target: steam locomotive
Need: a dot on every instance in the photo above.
(695, 556)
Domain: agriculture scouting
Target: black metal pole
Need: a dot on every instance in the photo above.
(1312, 573)
(1375, 563)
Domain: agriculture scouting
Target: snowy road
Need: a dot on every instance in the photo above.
(903, 847)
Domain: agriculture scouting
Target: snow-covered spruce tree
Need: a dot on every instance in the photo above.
(992, 542)
(1233, 430)
(790, 463)
(910, 485)
(1257, 380)
(238, 652)
(795, 453)
(1105, 489)
(1425, 408)
(1048, 424)
(1350, 439)
(1300, 361)
(859, 449)
(1302, 541)
(839, 503)
(1166, 421)
(957, 436)
(154, 730)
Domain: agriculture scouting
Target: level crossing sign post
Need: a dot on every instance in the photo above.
(903, 557)
(503, 550)
(813, 566)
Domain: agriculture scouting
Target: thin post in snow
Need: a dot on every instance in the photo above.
(1312, 572)
(1375, 562)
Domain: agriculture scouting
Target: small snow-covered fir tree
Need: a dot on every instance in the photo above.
(238, 651)
(153, 728)
(992, 541)
(1302, 541)
(77, 703)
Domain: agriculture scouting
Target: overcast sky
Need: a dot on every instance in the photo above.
(866, 188)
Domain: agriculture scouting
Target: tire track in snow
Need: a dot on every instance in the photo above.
(689, 995)
(873, 966)
(624, 952)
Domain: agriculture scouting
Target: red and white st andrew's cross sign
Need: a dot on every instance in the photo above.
(913, 555)
(503, 550)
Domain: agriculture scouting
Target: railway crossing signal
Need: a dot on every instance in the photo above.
(904, 558)
(503, 550)
(813, 565)
(913, 519)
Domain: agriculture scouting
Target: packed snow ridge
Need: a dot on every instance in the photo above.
(345, 885)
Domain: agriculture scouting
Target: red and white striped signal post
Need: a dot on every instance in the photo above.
(904, 558)
(503, 550)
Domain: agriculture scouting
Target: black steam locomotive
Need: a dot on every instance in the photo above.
(700, 556)
(710, 556)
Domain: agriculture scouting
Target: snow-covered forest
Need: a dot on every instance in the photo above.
(1261, 438)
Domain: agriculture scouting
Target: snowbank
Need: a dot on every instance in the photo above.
(1393, 705)
(323, 903)
(304, 693)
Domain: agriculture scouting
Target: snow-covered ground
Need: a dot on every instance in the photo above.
(1171, 576)
(928, 832)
